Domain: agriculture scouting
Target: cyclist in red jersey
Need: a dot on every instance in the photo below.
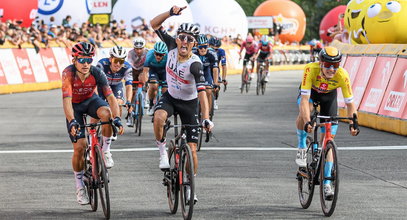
(263, 54)
(251, 49)
(79, 82)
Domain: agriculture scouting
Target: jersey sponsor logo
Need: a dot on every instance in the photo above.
(394, 101)
(178, 74)
(304, 79)
(323, 87)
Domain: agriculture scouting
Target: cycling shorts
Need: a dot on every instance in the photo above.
(262, 57)
(327, 102)
(88, 107)
(186, 111)
(117, 91)
(157, 76)
(136, 74)
(247, 58)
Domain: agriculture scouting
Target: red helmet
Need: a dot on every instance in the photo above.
(83, 49)
(249, 39)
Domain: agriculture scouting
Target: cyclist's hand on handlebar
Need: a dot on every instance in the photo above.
(353, 131)
(118, 123)
(308, 127)
(224, 81)
(74, 127)
(208, 124)
(128, 106)
(175, 10)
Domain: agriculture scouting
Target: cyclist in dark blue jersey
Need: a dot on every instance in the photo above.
(155, 66)
(215, 44)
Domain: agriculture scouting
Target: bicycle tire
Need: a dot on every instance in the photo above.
(306, 185)
(140, 114)
(200, 136)
(187, 169)
(90, 183)
(103, 183)
(328, 206)
(212, 110)
(173, 185)
(259, 80)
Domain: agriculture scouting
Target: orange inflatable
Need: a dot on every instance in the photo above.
(288, 14)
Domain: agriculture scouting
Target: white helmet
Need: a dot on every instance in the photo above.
(139, 42)
(118, 52)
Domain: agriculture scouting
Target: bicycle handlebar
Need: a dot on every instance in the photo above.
(93, 126)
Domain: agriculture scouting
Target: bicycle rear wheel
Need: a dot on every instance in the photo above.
(259, 81)
(103, 183)
(140, 114)
(263, 84)
(172, 185)
(90, 183)
(187, 181)
(200, 136)
(305, 177)
(328, 203)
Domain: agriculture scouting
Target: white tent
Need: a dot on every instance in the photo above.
(131, 11)
(61, 8)
(219, 17)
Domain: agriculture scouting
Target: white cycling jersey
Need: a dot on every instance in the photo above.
(137, 62)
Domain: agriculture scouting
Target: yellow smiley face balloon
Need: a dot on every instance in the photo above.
(385, 21)
(353, 20)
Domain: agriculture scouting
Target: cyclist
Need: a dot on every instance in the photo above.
(136, 58)
(116, 69)
(185, 85)
(263, 54)
(215, 44)
(319, 83)
(155, 66)
(210, 66)
(79, 82)
(315, 48)
(251, 49)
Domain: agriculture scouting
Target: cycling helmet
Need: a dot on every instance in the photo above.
(313, 42)
(189, 28)
(264, 40)
(139, 42)
(83, 49)
(160, 47)
(249, 39)
(215, 41)
(330, 54)
(202, 39)
(118, 52)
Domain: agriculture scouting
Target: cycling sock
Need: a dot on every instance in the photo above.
(161, 146)
(327, 171)
(78, 179)
(107, 141)
(302, 139)
(151, 103)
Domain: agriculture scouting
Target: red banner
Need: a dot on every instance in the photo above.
(24, 65)
(3, 80)
(50, 64)
(362, 79)
(395, 99)
(24, 11)
(377, 84)
(351, 65)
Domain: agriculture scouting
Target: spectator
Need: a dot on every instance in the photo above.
(65, 21)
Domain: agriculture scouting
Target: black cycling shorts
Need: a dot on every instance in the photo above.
(186, 111)
(136, 74)
(262, 57)
(247, 58)
(88, 107)
(327, 101)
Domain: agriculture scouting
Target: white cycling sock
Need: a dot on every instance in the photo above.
(107, 141)
(78, 179)
(161, 146)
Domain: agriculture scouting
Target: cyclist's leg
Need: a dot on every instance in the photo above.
(152, 92)
(301, 135)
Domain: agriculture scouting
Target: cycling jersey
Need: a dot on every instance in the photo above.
(221, 54)
(312, 79)
(116, 78)
(184, 79)
(250, 49)
(264, 49)
(137, 62)
(72, 85)
(151, 62)
(209, 61)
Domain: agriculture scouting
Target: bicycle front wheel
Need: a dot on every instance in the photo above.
(103, 183)
(172, 184)
(140, 114)
(259, 82)
(328, 202)
(305, 177)
(90, 183)
(187, 182)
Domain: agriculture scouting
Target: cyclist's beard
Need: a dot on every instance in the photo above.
(82, 74)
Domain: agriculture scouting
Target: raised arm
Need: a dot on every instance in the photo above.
(157, 21)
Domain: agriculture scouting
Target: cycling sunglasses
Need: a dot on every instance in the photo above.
(328, 65)
(84, 60)
(202, 46)
(159, 54)
(189, 38)
(138, 45)
(117, 60)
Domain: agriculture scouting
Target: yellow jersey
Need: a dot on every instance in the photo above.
(312, 79)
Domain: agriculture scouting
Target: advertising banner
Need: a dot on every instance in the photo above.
(352, 65)
(37, 66)
(62, 58)
(50, 64)
(10, 68)
(362, 79)
(259, 22)
(24, 65)
(395, 98)
(3, 80)
(99, 6)
(377, 84)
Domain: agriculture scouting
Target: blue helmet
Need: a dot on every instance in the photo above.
(264, 40)
(202, 39)
(215, 41)
(160, 47)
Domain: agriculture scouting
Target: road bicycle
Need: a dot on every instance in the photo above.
(246, 76)
(208, 135)
(313, 173)
(261, 82)
(138, 108)
(179, 178)
(96, 177)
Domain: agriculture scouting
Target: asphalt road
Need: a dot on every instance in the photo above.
(233, 183)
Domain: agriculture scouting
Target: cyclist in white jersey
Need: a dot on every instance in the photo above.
(185, 79)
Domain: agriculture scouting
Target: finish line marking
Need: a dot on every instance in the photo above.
(208, 149)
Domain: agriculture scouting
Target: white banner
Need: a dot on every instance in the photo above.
(10, 68)
(100, 6)
(40, 73)
(259, 22)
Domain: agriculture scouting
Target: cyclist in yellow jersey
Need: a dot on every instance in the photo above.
(319, 83)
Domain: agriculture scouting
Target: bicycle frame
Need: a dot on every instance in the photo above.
(136, 100)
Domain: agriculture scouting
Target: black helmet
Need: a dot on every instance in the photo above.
(83, 49)
(330, 54)
(215, 41)
(189, 28)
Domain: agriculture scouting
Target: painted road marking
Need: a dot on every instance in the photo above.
(209, 149)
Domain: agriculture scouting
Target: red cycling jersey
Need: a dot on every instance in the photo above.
(72, 85)
(250, 49)
(264, 49)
